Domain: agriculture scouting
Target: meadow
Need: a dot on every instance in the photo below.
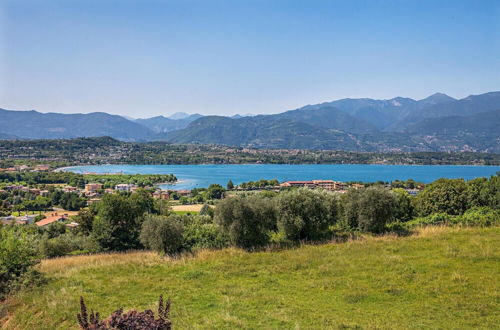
(441, 277)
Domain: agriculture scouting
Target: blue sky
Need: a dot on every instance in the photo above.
(146, 58)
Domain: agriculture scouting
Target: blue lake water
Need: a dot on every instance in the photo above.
(199, 176)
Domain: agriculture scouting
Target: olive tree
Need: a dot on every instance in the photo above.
(369, 209)
(162, 234)
(246, 220)
(305, 214)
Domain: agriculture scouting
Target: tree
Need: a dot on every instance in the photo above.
(246, 220)
(85, 220)
(207, 210)
(162, 234)
(117, 224)
(143, 202)
(369, 209)
(305, 214)
(404, 207)
(215, 191)
(230, 185)
(442, 196)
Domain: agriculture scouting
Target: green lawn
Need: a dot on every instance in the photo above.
(185, 212)
(441, 278)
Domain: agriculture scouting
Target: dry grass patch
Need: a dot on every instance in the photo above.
(187, 208)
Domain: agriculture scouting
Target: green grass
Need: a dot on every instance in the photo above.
(440, 278)
(185, 212)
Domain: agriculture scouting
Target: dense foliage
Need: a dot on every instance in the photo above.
(18, 256)
(79, 180)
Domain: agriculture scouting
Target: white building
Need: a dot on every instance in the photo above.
(125, 187)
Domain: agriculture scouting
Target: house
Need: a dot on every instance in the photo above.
(70, 189)
(329, 184)
(27, 218)
(161, 194)
(124, 187)
(7, 220)
(21, 167)
(92, 187)
(35, 191)
(357, 186)
(308, 184)
(50, 220)
(40, 168)
(413, 192)
(185, 193)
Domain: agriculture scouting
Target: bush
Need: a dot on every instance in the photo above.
(131, 320)
(67, 244)
(246, 221)
(480, 216)
(432, 219)
(18, 256)
(305, 214)
(162, 234)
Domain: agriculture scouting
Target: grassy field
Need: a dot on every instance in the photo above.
(439, 278)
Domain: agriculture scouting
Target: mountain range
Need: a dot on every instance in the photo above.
(436, 123)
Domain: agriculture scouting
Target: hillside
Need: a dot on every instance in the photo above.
(440, 278)
(36, 125)
(161, 124)
(326, 117)
(263, 132)
(468, 106)
(477, 131)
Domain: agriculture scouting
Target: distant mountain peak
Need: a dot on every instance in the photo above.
(179, 115)
(437, 98)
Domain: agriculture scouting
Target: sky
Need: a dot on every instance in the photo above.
(148, 57)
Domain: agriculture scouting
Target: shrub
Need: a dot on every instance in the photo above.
(432, 219)
(131, 320)
(246, 221)
(18, 256)
(67, 244)
(162, 234)
(305, 214)
(480, 216)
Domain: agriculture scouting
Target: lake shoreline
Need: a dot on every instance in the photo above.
(201, 176)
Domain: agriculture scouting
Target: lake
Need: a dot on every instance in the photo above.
(199, 176)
